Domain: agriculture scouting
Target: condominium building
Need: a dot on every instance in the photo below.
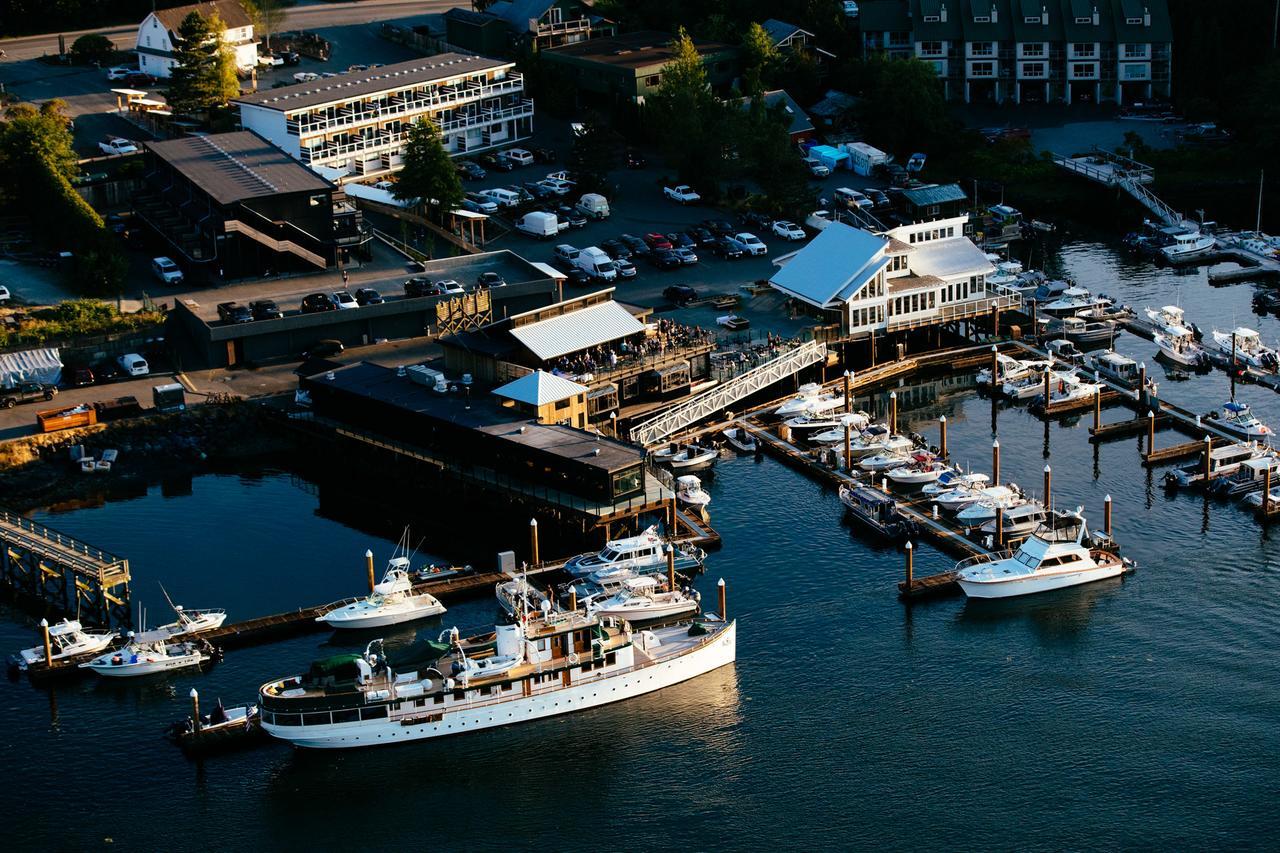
(1067, 51)
(354, 125)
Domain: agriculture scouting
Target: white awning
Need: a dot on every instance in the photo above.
(578, 330)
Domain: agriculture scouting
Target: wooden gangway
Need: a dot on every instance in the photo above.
(1114, 170)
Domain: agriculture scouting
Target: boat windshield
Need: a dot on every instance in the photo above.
(1026, 559)
(609, 554)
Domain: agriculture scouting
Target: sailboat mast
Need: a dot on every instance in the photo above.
(1262, 173)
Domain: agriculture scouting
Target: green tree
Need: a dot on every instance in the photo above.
(204, 76)
(902, 107)
(596, 151)
(30, 135)
(760, 60)
(92, 48)
(690, 116)
(429, 175)
(267, 16)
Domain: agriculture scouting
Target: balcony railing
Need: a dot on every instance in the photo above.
(483, 117)
(415, 102)
(577, 25)
(388, 139)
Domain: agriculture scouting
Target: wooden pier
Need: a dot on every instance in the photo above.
(50, 568)
(1173, 453)
(1122, 429)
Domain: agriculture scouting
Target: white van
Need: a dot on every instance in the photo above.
(594, 206)
(539, 224)
(520, 156)
(596, 263)
(133, 364)
(501, 197)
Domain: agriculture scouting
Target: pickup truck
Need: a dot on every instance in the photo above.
(682, 193)
(115, 145)
(25, 392)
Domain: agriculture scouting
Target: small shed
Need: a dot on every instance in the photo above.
(830, 157)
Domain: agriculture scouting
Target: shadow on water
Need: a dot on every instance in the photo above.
(1054, 617)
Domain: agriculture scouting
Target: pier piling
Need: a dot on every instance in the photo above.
(1266, 492)
(724, 609)
(671, 568)
(1048, 374)
(573, 597)
(1151, 430)
(999, 527)
(533, 542)
(1106, 515)
(848, 449)
(942, 436)
(48, 646)
(893, 412)
(848, 392)
(995, 462)
(1208, 459)
(909, 563)
(368, 562)
(995, 369)
(1097, 409)
(1048, 482)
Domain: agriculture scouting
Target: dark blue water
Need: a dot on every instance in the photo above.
(1134, 713)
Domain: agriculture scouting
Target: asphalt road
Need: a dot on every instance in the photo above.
(305, 16)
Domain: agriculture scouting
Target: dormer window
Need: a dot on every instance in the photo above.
(1133, 21)
(932, 19)
(1084, 20)
(982, 19)
(1031, 19)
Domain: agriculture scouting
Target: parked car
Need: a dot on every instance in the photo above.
(558, 186)
(567, 213)
(268, 60)
(477, 203)
(634, 243)
(291, 57)
(79, 377)
(491, 279)
(852, 198)
(137, 79)
(850, 8)
(418, 286)
(316, 303)
(544, 155)
(686, 255)
(120, 72)
(665, 259)
(537, 190)
(344, 300)
(788, 230)
(520, 156)
(701, 235)
(565, 252)
(132, 364)
(470, 171)
(680, 240)
(635, 160)
(368, 296)
(115, 146)
(680, 294)
(234, 312)
(816, 167)
(523, 196)
(682, 193)
(878, 199)
(326, 348)
(656, 241)
(265, 309)
(449, 287)
(25, 392)
(166, 270)
(752, 244)
(305, 77)
(573, 273)
(728, 248)
(625, 268)
(615, 248)
(752, 219)
(496, 161)
(718, 227)
(502, 197)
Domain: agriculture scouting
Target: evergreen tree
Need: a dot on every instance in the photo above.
(597, 150)
(429, 175)
(760, 60)
(204, 76)
(691, 118)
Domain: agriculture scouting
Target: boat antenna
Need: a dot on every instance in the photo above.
(167, 598)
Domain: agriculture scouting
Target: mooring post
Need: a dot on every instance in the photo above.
(368, 564)
(893, 412)
(1142, 380)
(1208, 449)
(195, 709)
(671, 568)
(533, 542)
(573, 598)
(995, 462)
(1097, 408)
(724, 608)
(1151, 430)
(942, 436)
(1106, 515)
(1266, 491)
(848, 392)
(1048, 483)
(995, 368)
(910, 567)
(1048, 377)
(48, 646)
(848, 448)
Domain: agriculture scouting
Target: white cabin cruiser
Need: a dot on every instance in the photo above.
(856, 421)
(1030, 386)
(810, 400)
(1224, 460)
(1187, 242)
(1179, 346)
(392, 602)
(190, 622)
(643, 554)
(885, 461)
(147, 657)
(689, 457)
(548, 663)
(984, 508)
(641, 600)
(1019, 520)
(67, 639)
(1168, 319)
(1239, 420)
(1054, 557)
(1069, 388)
(922, 469)
(516, 593)
(1073, 301)
(689, 490)
(1246, 346)
(877, 439)
(965, 496)
(1113, 365)
(1010, 369)
(949, 481)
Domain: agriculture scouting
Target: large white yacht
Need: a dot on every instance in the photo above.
(548, 663)
(392, 602)
(642, 554)
(1053, 557)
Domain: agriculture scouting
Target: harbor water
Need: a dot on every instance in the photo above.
(1137, 712)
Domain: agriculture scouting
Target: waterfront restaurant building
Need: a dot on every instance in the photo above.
(923, 274)
(356, 123)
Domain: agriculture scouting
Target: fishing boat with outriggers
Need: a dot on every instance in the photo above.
(67, 639)
(546, 664)
(393, 601)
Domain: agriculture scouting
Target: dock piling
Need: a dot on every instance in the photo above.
(1208, 460)
(1048, 375)
(1048, 482)
(573, 597)
(995, 462)
(909, 561)
(368, 563)
(671, 568)
(893, 412)
(848, 392)
(1097, 409)
(533, 541)
(195, 709)
(942, 436)
(1142, 379)
(1266, 492)
(724, 609)
(1106, 515)
(995, 369)
(48, 646)
(1151, 430)
(848, 449)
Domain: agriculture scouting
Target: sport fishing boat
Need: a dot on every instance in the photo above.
(1069, 388)
(922, 469)
(689, 491)
(1239, 420)
(643, 554)
(884, 461)
(1170, 319)
(1179, 346)
(1224, 460)
(1187, 242)
(856, 421)
(688, 457)
(741, 440)
(1065, 350)
(1074, 300)
(1246, 346)
(1010, 369)
(641, 600)
(1019, 520)
(188, 621)
(392, 602)
(810, 400)
(149, 657)
(548, 663)
(965, 496)
(1082, 331)
(220, 728)
(949, 481)
(67, 639)
(1055, 556)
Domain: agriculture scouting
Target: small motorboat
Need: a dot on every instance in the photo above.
(810, 401)
(689, 490)
(1113, 365)
(958, 499)
(922, 470)
(67, 639)
(877, 511)
(149, 657)
(518, 594)
(1224, 460)
(1069, 388)
(1064, 350)
(1010, 369)
(1245, 346)
(392, 602)
(1019, 520)
(1239, 420)
(1074, 300)
(884, 461)
(188, 621)
(1084, 332)
(432, 572)
(949, 481)
(221, 728)
(641, 600)
(1168, 320)
(741, 440)
(644, 553)
(877, 439)
(855, 421)
(1029, 386)
(984, 509)
(1179, 346)
(688, 457)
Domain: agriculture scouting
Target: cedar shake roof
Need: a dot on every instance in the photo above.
(231, 12)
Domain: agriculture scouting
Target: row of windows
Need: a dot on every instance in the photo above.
(866, 316)
(932, 234)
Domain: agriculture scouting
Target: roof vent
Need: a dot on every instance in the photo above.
(595, 452)
(330, 376)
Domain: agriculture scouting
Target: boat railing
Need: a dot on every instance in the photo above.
(989, 557)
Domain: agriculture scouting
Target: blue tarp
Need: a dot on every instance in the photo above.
(828, 156)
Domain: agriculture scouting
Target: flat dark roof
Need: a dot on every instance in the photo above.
(482, 413)
(357, 84)
(633, 50)
(233, 167)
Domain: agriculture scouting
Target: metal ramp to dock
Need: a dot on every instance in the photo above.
(52, 568)
(1115, 170)
(713, 402)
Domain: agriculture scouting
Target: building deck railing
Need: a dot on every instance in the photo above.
(416, 102)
